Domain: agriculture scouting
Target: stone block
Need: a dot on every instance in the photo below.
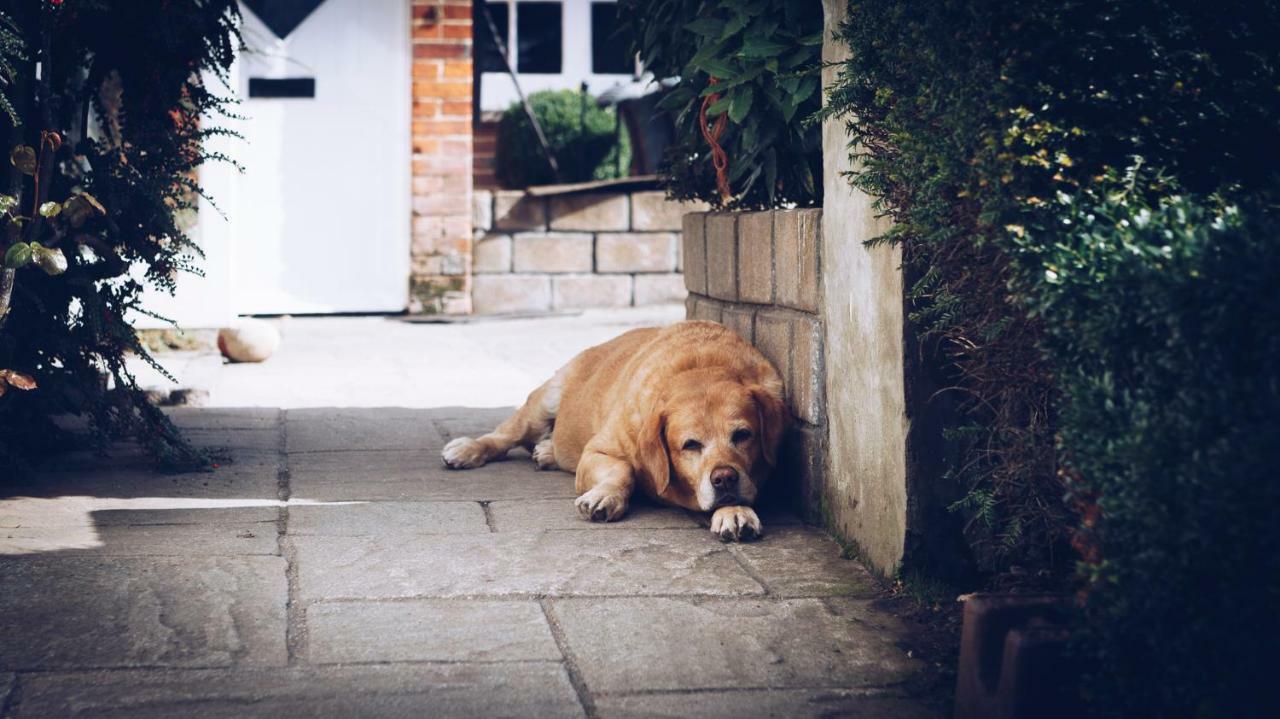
(706, 309)
(722, 256)
(491, 254)
(514, 210)
(552, 252)
(501, 294)
(680, 252)
(800, 475)
(739, 319)
(590, 211)
(659, 289)
(762, 644)
(85, 612)
(526, 689)
(635, 252)
(795, 254)
(694, 244)
(482, 210)
(773, 339)
(575, 292)
(806, 387)
(755, 257)
(358, 428)
(554, 563)
(804, 562)
(652, 211)
(359, 519)
(428, 631)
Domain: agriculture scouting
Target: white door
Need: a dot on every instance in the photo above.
(320, 217)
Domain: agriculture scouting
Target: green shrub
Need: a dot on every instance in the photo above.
(1087, 192)
(766, 55)
(581, 137)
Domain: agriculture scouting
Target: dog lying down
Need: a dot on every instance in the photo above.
(690, 415)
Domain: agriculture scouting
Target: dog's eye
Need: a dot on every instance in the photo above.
(693, 445)
(740, 435)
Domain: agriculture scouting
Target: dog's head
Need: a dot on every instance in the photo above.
(712, 442)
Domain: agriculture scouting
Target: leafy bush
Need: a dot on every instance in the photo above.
(765, 56)
(1087, 191)
(581, 137)
(89, 215)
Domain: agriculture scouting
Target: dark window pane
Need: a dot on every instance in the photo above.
(487, 57)
(539, 31)
(609, 53)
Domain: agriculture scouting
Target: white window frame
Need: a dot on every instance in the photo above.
(496, 89)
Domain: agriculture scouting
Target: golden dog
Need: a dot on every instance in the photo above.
(690, 415)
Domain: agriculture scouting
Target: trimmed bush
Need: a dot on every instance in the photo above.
(581, 137)
(1087, 191)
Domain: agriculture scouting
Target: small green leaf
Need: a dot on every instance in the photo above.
(7, 203)
(717, 67)
(740, 104)
(18, 256)
(709, 27)
(49, 259)
(718, 107)
(50, 209)
(24, 158)
(759, 47)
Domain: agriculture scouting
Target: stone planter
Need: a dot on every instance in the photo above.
(1013, 659)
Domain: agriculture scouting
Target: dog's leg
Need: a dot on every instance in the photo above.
(544, 453)
(531, 423)
(604, 485)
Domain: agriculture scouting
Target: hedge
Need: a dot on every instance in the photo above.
(1094, 183)
(582, 139)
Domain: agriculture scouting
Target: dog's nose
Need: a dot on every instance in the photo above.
(724, 479)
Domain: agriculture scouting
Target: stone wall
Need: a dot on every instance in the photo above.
(442, 70)
(758, 273)
(574, 251)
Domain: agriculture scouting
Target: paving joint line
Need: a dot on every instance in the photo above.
(295, 634)
(11, 697)
(488, 515)
(570, 661)
(736, 553)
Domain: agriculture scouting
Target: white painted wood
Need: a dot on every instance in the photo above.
(320, 220)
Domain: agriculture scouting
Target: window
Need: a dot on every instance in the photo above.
(608, 52)
(539, 37)
(488, 59)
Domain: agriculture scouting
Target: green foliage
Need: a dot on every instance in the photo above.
(1087, 194)
(102, 161)
(581, 136)
(766, 56)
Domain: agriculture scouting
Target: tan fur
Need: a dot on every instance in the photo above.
(619, 416)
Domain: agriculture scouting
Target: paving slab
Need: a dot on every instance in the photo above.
(535, 514)
(60, 612)
(7, 682)
(366, 519)
(418, 475)
(662, 643)
(373, 428)
(804, 562)
(554, 563)
(509, 689)
(224, 417)
(151, 540)
(428, 630)
(771, 704)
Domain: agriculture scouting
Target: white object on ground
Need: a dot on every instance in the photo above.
(249, 340)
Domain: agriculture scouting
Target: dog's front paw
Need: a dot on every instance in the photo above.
(463, 453)
(736, 524)
(601, 504)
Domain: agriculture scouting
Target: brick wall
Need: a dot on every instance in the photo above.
(441, 247)
(484, 138)
(576, 251)
(758, 274)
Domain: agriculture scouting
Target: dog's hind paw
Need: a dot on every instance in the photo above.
(463, 453)
(544, 454)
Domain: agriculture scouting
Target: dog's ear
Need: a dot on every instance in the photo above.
(774, 417)
(651, 449)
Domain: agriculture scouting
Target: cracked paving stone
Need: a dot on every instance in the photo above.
(510, 563)
(223, 418)
(81, 612)
(657, 643)
(804, 562)
(428, 630)
(512, 689)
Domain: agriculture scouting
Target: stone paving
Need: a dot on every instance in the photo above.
(333, 567)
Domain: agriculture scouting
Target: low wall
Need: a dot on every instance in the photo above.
(758, 274)
(575, 251)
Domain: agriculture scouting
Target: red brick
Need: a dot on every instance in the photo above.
(455, 32)
(442, 89)
(427, 69)
(441, 50)
(457, 12)
(458, 68)
(457, 108)
(442, 127)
